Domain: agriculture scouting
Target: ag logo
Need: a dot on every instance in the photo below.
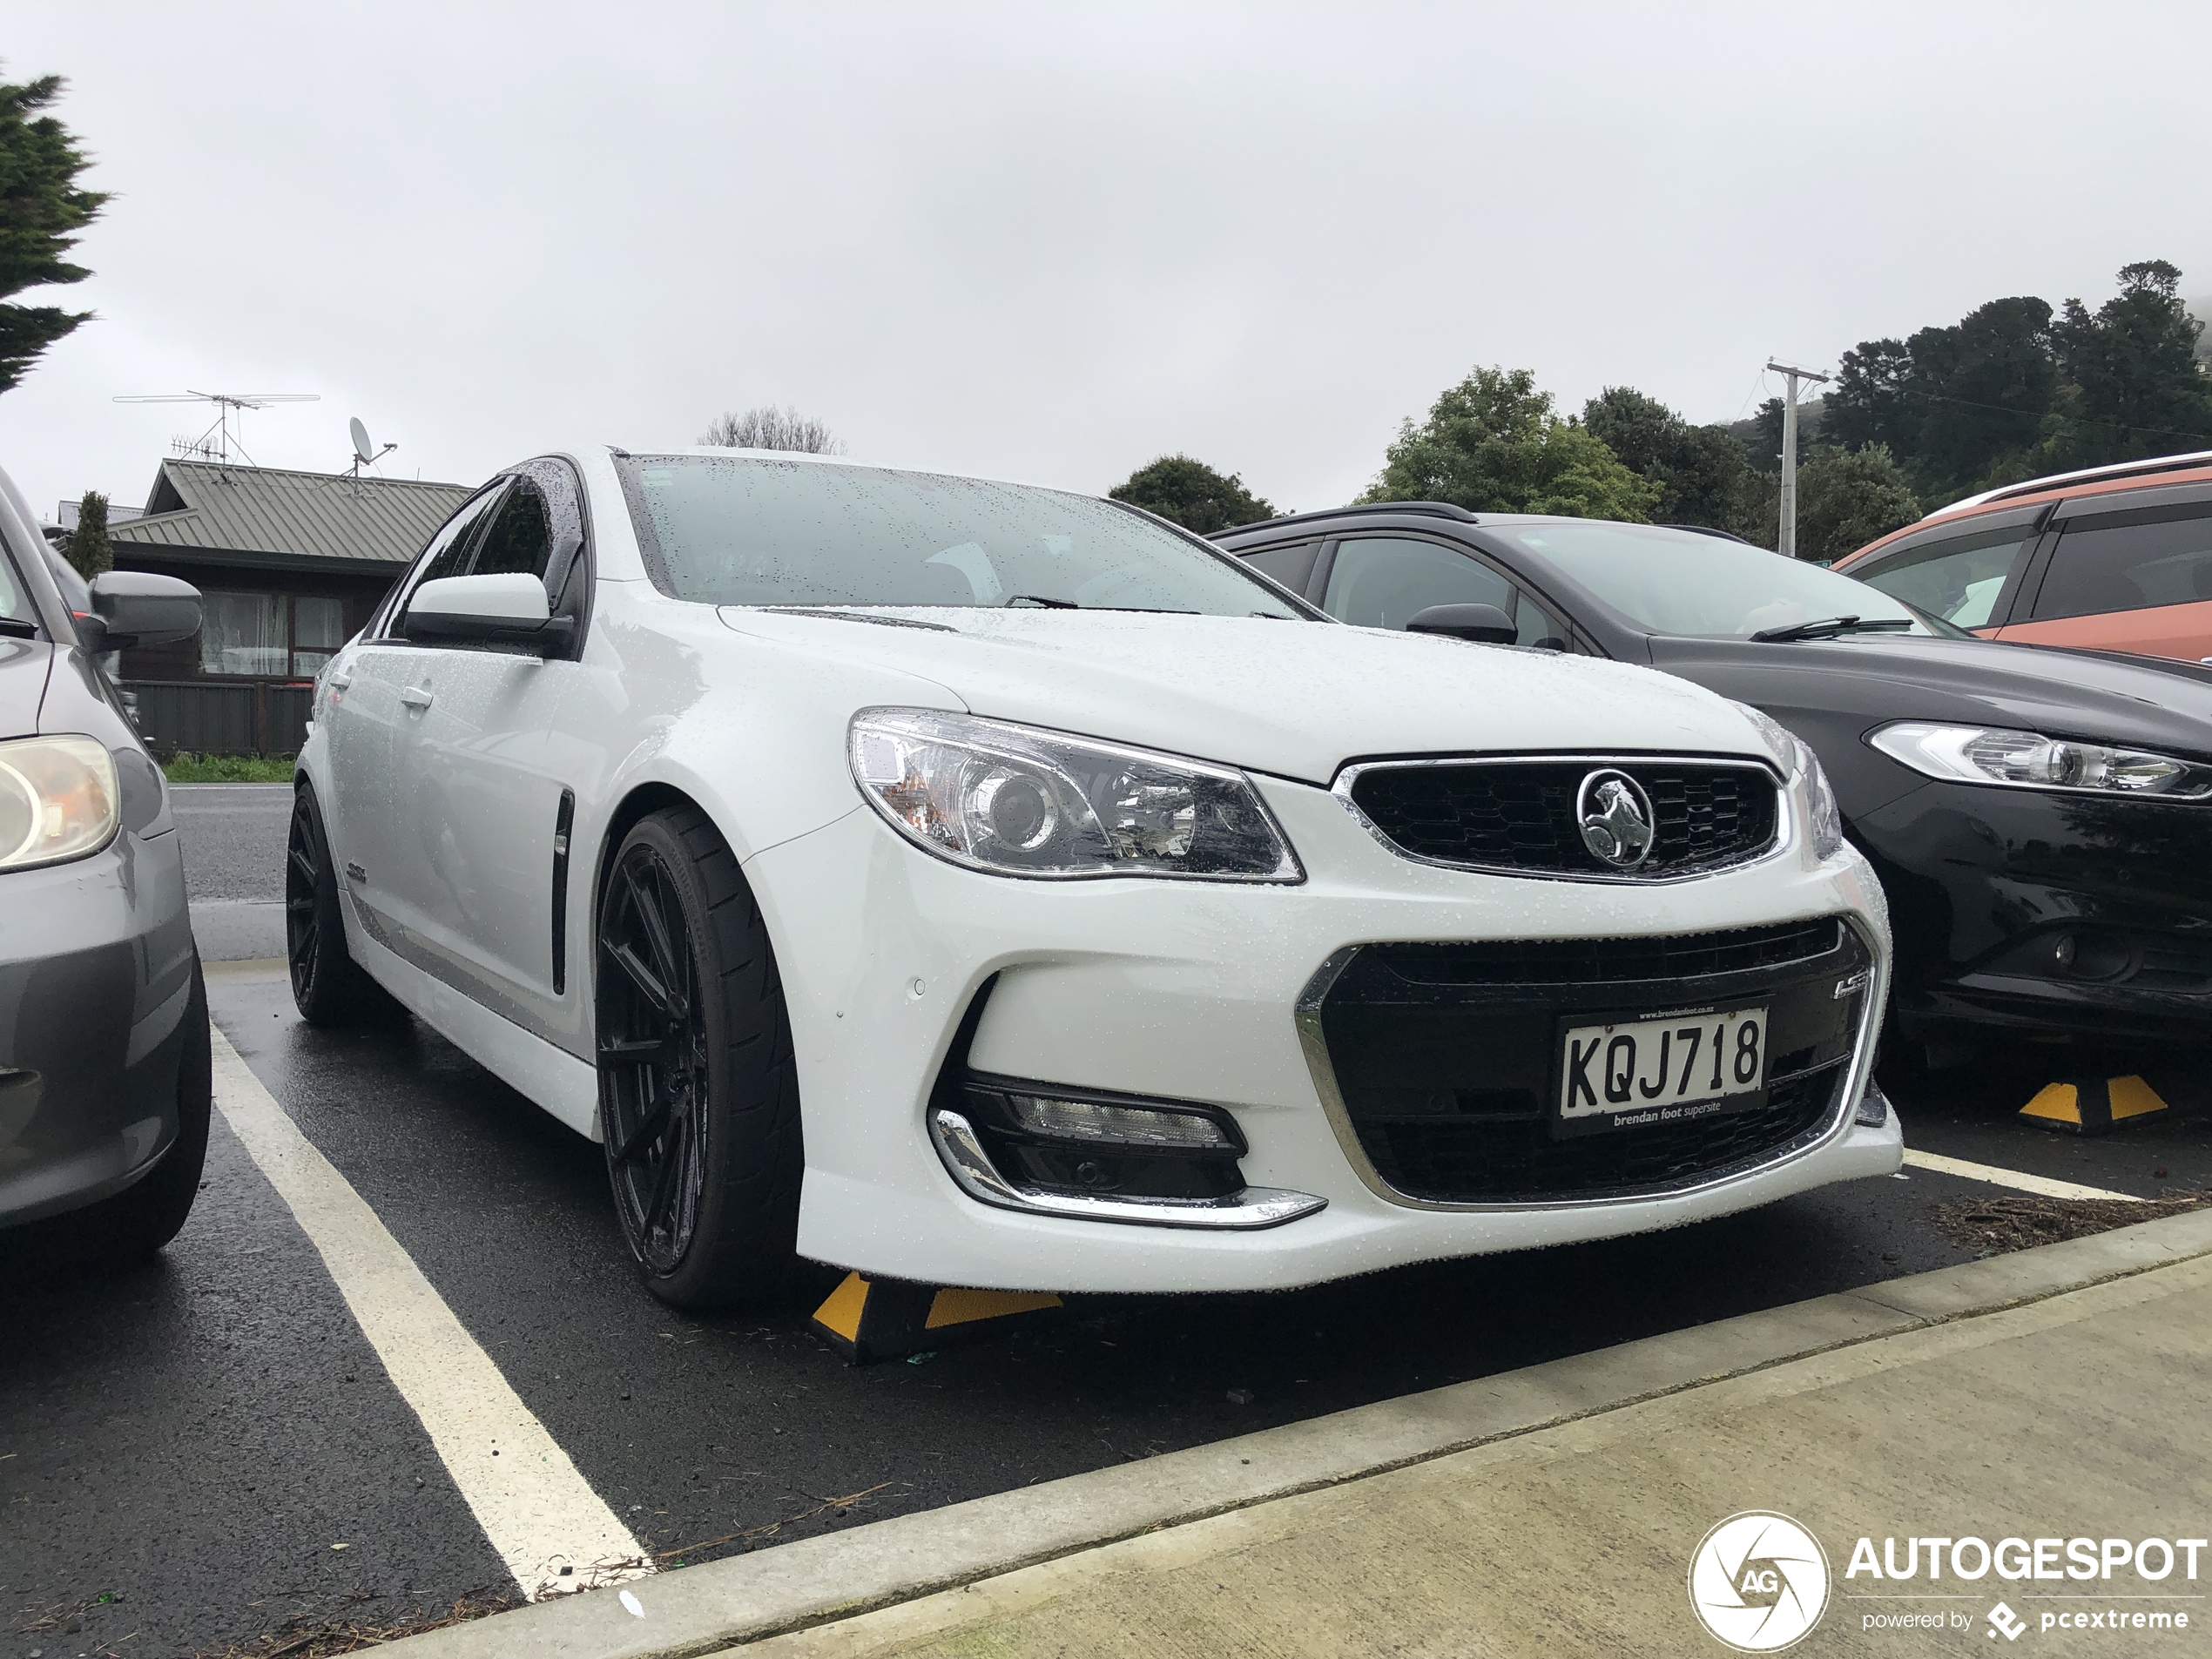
(1758, 1582)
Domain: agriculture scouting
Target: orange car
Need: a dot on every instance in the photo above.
(2114, 558)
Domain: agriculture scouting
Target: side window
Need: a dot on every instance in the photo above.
(2101, 565)
(520, 537)
(1538, 627)
(445, 555)
(1960, 580)
(1291, 566)
(1384, 582)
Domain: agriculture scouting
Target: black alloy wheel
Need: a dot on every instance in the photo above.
(652, 1059)
(327, 985)
(697, 1092)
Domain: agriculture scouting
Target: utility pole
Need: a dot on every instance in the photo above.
(1787, 543)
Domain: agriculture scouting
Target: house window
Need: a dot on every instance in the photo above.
(317, 630)
(243, 633)
(269, 636)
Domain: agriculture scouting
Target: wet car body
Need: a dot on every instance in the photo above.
(2013, 908)
(103, 1023)
(2112, 558)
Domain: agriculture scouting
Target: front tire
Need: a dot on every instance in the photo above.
(698, 1090)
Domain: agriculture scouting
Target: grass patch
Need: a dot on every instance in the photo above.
(227, 769)
(1991, 1226)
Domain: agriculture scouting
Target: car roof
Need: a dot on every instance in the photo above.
(2116, 479)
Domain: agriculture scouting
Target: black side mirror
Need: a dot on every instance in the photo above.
(136, 607)
(1486, 624)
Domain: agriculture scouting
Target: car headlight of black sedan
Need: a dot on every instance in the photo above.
(58, 800)
(2018, 759)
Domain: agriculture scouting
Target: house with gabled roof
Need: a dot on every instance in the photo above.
(290, 565)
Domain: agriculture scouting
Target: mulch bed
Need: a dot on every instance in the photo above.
(1991, 1226)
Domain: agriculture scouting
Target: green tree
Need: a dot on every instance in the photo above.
(2133, 386)
(1846, 498)
(41, 209)
(90, 549)
(1700, 471)
(1493, 444)
(1193, 493)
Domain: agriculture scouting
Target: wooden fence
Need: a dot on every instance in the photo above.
(223, 717)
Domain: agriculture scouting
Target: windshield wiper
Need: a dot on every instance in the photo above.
(1039, 599)
(19, 627)
(1829, 627)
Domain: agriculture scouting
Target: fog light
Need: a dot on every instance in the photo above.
(1085, 1120)
(2062, 952)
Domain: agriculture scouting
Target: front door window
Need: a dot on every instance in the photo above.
(1960, 581)
(1385, 582)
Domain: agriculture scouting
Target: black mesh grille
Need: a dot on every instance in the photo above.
(1576, 962)
(1520, 815)
(1489, 1156)
(1447, 1056)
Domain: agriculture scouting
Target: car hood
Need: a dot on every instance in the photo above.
(25, 664)
(1297, 699)
(2093, 696)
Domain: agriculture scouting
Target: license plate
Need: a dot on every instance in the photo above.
(1661, 1069)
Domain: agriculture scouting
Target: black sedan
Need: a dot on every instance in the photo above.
(2041, 819)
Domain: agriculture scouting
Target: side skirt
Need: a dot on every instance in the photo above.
(551, 1077)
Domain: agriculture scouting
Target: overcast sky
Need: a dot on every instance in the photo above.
(1051, 242)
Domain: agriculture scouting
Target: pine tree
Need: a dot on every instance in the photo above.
(90, 549)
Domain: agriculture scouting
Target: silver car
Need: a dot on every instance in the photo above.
(104, 1040)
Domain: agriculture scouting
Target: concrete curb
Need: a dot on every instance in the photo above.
(706, 1608)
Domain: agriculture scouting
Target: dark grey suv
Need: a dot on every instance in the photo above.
(104, 1040)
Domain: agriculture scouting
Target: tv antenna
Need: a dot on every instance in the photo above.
(217, 442)
(365, 453)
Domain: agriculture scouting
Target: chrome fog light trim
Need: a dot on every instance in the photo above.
(971, 1167)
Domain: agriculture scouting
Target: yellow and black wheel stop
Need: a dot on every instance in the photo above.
(2094, 1105)
(884, 1319)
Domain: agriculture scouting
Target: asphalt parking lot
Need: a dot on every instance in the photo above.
(210, 1443)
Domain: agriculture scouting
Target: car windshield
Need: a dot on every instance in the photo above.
(746, 531)
(1677, 581)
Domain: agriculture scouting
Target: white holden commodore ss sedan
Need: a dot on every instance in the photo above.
(982, 885)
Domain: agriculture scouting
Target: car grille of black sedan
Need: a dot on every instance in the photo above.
(1446, 1057)
(1520, 814)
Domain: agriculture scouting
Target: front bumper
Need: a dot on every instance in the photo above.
(96, 971)
(1992, 887)
(1190, 992)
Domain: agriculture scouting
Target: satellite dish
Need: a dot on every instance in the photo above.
(362, 447)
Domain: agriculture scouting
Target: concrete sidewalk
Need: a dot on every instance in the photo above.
(2057, 1394)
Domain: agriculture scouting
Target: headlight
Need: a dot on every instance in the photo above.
(1809, 785)
(1018, 801)
(1977, 754)
(58, 800)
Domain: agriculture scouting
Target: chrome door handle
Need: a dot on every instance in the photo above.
(339, 682)
(416, 696)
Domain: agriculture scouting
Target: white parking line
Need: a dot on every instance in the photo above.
(538, 1512)
(2037, 1184)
